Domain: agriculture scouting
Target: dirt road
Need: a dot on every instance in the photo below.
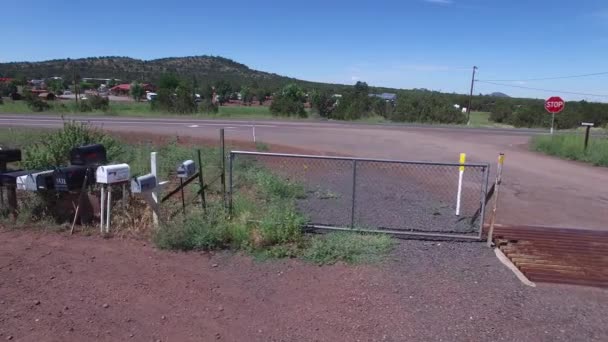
(538, 190)
(55, 287)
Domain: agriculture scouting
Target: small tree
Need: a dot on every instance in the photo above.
(56, 86)
(322, 103)
(289, 102)
(246, 95)
(137, 91)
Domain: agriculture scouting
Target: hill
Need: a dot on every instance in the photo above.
(499, 94)
(207, 70)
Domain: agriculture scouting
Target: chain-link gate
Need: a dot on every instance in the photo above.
(398, 197)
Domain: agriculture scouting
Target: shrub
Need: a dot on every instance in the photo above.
(195, 231)
(55, 148)
(35, 103)
(281, 224)
(207, 106)
(322, 103)
(348, 247)
(290, 101)
(137, 91)
(285, 106)
(1, 101)
(94, 102)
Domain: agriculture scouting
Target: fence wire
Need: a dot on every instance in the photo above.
(379, 195)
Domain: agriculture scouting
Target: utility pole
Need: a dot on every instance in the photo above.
(471, 97)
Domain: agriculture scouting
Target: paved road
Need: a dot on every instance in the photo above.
(538, 190)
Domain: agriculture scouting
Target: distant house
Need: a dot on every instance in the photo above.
(37, 84)
(389, 97)
(123, 89)
(5, 80)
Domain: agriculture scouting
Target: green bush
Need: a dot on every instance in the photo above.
(54, 149)
(94, 102)
(207, 106)
(196, 231)
(290, 101)
(281, 224)
(348, 247)
(35, 103)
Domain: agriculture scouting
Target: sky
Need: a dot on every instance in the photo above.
(429, 44)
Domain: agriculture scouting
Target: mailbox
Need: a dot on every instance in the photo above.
(88, 155)
(35, 181)
(10, 155)
(71, 178)
(112, 174)
(10, 178)
(143, 183)
(186, 169)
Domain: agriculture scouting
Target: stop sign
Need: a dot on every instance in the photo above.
(554, 104)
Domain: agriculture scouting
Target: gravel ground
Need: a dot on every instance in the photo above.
(388, 195)
(59, 288)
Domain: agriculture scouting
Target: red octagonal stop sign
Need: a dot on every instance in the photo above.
(554, 104)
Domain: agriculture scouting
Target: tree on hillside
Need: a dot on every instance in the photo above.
(137, 91)
(246, 95)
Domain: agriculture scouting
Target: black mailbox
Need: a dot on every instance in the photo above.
(45, 181)
(88, 155)
(10, 155)
(10, 178)
(71, 178)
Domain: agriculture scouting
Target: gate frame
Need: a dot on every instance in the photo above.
(484, 189)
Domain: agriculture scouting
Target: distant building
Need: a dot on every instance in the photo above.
(123, 89)
(390, 97)
(5, 80)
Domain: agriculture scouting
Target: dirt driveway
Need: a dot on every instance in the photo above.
(59, 288)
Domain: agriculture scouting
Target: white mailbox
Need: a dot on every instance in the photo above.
(143, 183)
(186, 169)
(112, 174)
(35, 181)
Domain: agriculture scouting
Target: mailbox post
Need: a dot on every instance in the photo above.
(185, 170)
(588, 126)
(107, 176)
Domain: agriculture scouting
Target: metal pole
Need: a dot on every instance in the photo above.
(352, 213)
(102, 212)
(201, 181)
(552, 121)
(154, 194)
(587, 137)
(181, 185)
(223, 164)
(471, 97)
(230, 182)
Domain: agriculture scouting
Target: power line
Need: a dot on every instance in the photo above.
(551, 78)
(540, 89)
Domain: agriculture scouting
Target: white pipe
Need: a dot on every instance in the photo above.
(153, 170)
(463, 160)
(109, 208)
(461, 173)
(102, 210)
(254, 134)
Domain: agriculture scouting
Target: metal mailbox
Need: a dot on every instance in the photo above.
(186, 169)
(145, 183)
(71, 178)
(35, 181)
(88, 155)
(10, 155)
(112, 174)
(10, 178)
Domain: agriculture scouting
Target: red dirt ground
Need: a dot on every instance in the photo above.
(55, 287)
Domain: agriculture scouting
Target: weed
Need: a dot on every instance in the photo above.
(261, 147)
(348, 247)
(571, 146)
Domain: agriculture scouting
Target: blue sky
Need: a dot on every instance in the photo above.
(406, 44)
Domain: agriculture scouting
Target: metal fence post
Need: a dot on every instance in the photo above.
(223, 165)
(484, 191)
(352, 213)
(201, 181)
(230, 184)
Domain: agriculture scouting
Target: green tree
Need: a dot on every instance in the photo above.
(260, 94)
(289, 102)
(322, 102)
(137, 91)
(223, 90)
(55, 85)
(246, 95)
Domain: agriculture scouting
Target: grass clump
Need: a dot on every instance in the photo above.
(352, 248)
(571, 146)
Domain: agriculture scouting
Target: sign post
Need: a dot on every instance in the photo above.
(554, 105)
(587, 126)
